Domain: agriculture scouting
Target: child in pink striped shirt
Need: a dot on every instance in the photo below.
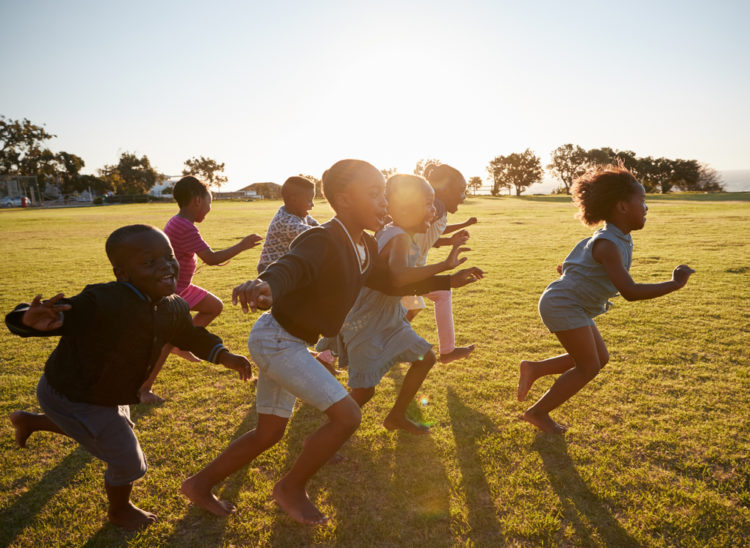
(194, 199)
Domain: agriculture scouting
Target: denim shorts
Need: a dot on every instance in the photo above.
(104, 431)
(287, 371)
(560, 312)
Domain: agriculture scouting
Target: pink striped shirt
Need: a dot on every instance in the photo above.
(186, 241)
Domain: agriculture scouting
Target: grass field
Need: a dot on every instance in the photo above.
(658, 453)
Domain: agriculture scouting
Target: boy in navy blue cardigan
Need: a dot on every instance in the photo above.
(111, 335)
(310, 290)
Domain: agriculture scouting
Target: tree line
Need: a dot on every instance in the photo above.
(22, 152)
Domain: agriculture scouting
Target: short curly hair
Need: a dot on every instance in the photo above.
(597, 192)
(187, 188)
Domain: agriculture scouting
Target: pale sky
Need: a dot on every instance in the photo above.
(279, 88)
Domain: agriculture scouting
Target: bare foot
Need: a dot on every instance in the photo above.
(403, 423)
(131, 517)
(205, 499)
(189, 356)
(525, 380)
(20, 421)
(148, 397)
(297, 504)
(458, 353)
(543, 423)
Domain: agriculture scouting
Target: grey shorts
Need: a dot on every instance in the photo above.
(287, 371)
(106, 432)
(562, 313)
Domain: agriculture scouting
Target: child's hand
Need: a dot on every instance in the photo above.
(453, 259)
(239, 363)
(681, 274)
(471, 221)
(45, 315)
(559, 269)
(460, 237)
(251, 241)
(253, 294)
(466, 276)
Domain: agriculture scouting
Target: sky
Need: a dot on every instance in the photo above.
(274, 89)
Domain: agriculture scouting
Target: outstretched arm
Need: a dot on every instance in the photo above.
(606, 253)
(452, 228)
(459, 238)
(211, 257)
(397, 254)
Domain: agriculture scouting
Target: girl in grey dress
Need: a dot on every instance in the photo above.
(376, 334)
(596, 270)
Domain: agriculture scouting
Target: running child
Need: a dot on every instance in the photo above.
(111, 335)
(596, 270)
(310, 290)
(450, 191)
(376, 334)
(291, 220)
(194, 199)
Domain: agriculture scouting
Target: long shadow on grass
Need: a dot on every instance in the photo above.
(23, 511)
(201, 528)
(576, 497)
(468, 426)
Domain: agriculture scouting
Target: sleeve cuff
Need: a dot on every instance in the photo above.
(215, 352)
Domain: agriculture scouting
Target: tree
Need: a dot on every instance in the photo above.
(206, 169)
(709, 179)
(318, 183)
(474, 184)
(422, 164)
(131, 175)
(20, 142)
(518, 169)
(568, 163)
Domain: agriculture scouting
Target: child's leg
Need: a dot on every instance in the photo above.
(240, 452)
(344, 417)
(446, 334)
(416, 374)
(362, 395)
(26, 424)
(124, 513)
(208, 308)
(583, 346)
(531, 371)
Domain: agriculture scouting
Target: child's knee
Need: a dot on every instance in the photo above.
(348, 415)
(603, 359)
(268, 437)
(428, 360)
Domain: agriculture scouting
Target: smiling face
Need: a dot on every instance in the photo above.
(365, 200)
(411, 203)
(146, 261)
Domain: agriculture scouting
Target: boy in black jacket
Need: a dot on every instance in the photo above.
(310, 290)
(111, 335)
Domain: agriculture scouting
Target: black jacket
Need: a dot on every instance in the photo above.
(111, 338)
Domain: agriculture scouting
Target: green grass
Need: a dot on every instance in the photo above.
(657, 455)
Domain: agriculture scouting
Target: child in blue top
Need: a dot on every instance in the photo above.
(596, 270)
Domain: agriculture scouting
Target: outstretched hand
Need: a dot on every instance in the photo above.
(466, 276)
(251, 241)
(460, 237)
(471, 221)
(453, 259)
(253, 295)
(239, 363)
(45, 315)
(681, 274)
